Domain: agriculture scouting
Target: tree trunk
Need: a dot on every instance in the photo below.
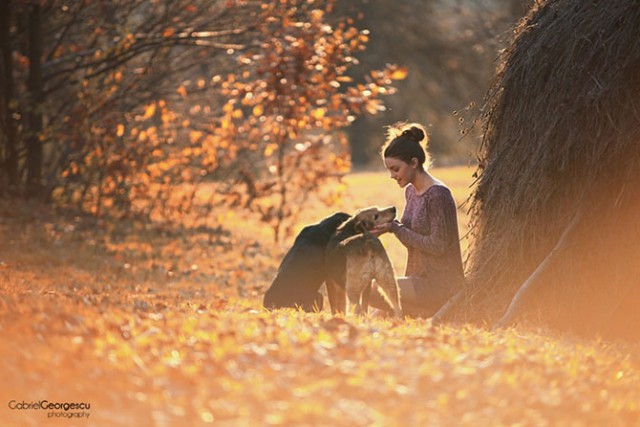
(9, 155)
(34, 117)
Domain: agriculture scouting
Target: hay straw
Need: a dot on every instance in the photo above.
(561, 135)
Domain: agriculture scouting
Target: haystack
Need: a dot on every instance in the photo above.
(556, 209)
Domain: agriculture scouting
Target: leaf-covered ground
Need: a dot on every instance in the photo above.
(156, 328)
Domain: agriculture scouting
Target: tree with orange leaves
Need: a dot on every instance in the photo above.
(280, 134)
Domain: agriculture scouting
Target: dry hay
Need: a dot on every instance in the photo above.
(561, 154)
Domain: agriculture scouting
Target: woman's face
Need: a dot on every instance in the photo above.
(402, 172)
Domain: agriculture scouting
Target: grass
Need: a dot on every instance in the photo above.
(163, 328)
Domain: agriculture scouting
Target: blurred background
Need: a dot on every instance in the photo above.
(161, 109)
(450, 48)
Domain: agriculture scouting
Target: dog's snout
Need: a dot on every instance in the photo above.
(390, 210)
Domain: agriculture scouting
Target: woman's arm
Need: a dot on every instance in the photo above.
(441, 217)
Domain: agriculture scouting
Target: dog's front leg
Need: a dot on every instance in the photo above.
(337, 297)
(366, 294)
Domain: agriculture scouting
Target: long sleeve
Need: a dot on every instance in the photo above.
(429, 231)
(433, 225)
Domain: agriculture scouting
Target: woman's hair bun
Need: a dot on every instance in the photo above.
(400, 143)
(414, 133)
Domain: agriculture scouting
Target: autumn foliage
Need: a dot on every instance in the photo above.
(182, 108)
(279, 134)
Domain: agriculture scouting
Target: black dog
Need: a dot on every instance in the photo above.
(303, 269)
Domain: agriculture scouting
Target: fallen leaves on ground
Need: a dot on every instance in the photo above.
(85, 318)
(158, 359)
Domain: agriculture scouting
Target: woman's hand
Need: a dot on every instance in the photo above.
(382, 228)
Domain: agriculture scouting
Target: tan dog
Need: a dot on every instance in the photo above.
(355, 258)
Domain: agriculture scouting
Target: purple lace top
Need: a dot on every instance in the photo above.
(429, 231)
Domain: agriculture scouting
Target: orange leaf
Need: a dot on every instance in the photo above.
(318, 113)
(399, 73)
(149, 111)
(194, 136)
(270, 149)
